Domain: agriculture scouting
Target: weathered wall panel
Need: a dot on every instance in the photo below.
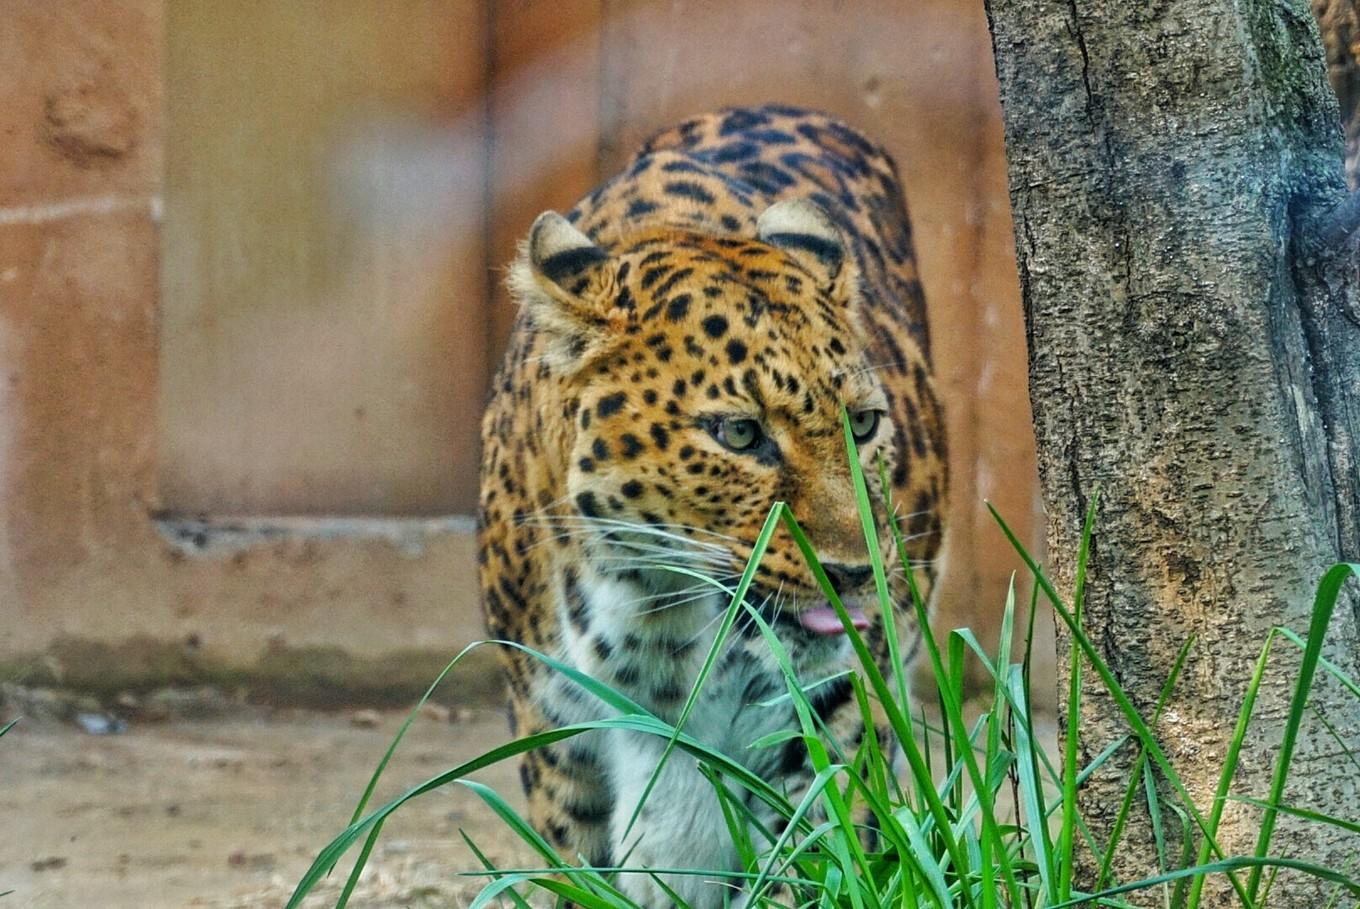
(90, 592)
(350, 380)
(545, 121)
(324, 328)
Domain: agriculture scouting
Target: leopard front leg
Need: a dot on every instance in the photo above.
(568, 789)
(680, 826)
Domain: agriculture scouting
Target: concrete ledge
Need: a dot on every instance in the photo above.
(203, 535)
(318, 677)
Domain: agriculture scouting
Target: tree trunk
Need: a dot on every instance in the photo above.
(1196, 358)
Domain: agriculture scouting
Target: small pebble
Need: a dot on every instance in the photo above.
(258, 861)
(364, 719)
(437, 712)
(100, 724)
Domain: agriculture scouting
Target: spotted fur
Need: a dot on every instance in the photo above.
(751, 264)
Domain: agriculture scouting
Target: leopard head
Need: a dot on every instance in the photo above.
(708, 377)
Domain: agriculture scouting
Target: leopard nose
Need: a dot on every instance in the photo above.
(847, 578)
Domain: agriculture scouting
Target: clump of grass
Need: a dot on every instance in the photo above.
(993, 823)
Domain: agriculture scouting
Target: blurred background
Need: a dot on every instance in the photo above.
(251, 260)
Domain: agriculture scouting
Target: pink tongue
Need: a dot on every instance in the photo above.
(823, 620)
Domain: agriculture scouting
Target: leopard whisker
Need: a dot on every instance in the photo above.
(669, 595)
(779, 602)
(654, 557)
(700, 633)
(646, 547)
(684, 601)
(749, 621)
(861, 370)
(918, 536)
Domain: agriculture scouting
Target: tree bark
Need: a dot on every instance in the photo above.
(1195, 356)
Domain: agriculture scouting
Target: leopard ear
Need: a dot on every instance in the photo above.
(567, 284)
(805, 231)
(565, 262)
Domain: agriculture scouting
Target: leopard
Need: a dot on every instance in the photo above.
(692, 339)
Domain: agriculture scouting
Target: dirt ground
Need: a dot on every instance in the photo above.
(229, 812)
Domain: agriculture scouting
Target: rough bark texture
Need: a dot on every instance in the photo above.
(1194, 359)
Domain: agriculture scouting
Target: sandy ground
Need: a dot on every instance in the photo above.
(230, 812)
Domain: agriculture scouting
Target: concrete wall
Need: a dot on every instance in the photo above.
(91, 592)
(112, 400)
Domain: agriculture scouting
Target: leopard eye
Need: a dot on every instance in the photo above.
(738, 434)
(863, 424)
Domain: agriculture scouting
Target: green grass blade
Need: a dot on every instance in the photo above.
(620, 702)
(643, 724)
(1119, 696)
(1224, 866)
(519, 901)
(326, 859)
(1136, 774)
(1154, 806)
(520, 827)
(953, 707)
(891, 707)
(966, 636)
(405, 725)
(1066, 841)
(670, 893)
(3, 729)
(953, 664)
(1230, 761)
(762, 543)
(637, 723)
(869, 526)
(501, 885)
(531, 837)
(1027, 660)
(931, 871)
(359, 863)
(1306, 814)
(595, 869)
(1100, 760)
(1329, 591)
(735, 816)
(1002, 760)
(1331, 668)
(847, 849)
(1031, 790)
(1335, 734)
(576, 895)
(805, 805)
(373, 835)
(1177, 898)
(1038, 758)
